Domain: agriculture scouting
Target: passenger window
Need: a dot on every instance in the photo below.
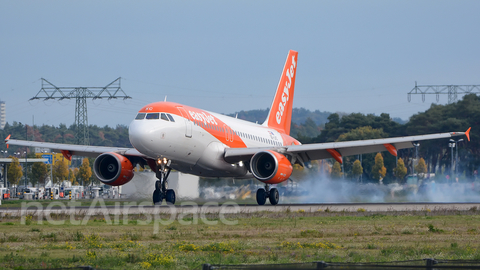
(153, 116)
(164, 117)
(170, 117)
(140, 116)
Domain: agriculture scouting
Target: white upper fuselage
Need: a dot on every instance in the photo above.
(195, 140)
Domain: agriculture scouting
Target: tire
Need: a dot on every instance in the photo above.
(170, 198)
(157, 197)
(274, 197)
(261, 196)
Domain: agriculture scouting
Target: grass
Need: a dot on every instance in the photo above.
(14, 203)
(261, 237)
(17, 203)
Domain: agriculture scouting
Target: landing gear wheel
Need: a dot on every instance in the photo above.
(261, 196)
(274, 196)
(170, 198)
(164, 185)
(162, 170)
(157, 197)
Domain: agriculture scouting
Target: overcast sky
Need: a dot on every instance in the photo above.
(227, 56)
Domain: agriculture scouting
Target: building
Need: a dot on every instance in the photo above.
(3, 115)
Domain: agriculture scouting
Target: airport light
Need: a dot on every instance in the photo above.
(416, 157)
(451, 145)
(454, 143)
(26, 164)
(51, 170)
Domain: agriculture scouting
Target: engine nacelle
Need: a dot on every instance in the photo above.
(113, 169)
(270, 167)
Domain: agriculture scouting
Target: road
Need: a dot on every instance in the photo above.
(98, 207)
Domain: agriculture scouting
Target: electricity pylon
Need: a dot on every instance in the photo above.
(451, 90)
(113, 90)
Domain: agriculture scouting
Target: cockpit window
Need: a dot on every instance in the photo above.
(153, 116)
(140, 116)
(170, 117)
(164, 117)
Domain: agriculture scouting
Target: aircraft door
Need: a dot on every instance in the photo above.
(188, 122)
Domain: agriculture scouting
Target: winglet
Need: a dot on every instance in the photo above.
(467, 133)
(6, 140)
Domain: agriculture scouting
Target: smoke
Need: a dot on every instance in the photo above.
(322, 189)
(314, 188)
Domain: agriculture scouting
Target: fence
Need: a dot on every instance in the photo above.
(428, 264)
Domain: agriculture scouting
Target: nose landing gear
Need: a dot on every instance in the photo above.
(161, 186)
(270, 193)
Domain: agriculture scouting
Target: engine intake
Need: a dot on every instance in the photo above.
(270, 167)
(113, 169)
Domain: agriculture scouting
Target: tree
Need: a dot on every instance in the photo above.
(357, 169)
(378, 170)
(400, 171)
(39, 172)
(421, 168)
(14, 173)
(75, 176)
(71, 176)
(336, 171)
(361, 133)
(85, 172)
(60, 171)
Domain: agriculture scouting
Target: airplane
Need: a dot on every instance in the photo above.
(167, 135)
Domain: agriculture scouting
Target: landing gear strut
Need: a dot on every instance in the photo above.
(161, 185)
(270, 193)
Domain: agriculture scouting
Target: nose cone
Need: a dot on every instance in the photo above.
(142, 136)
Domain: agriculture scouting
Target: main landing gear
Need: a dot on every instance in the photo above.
(161, 186)
(270, 193)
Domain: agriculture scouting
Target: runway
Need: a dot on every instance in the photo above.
(131, 208)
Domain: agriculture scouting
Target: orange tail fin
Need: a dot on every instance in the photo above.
(280, 115)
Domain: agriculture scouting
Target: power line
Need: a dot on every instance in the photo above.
(113, 90)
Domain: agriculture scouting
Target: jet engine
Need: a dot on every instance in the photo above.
(113, 169)
(270, 167)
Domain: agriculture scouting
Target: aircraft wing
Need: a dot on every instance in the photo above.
(307, 152)
(77, 150)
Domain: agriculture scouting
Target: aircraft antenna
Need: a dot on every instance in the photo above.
(112, 90)
(451, 90)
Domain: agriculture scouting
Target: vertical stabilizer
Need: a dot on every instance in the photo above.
(280, 115)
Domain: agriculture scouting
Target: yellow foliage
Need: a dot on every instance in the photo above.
(324, 245)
